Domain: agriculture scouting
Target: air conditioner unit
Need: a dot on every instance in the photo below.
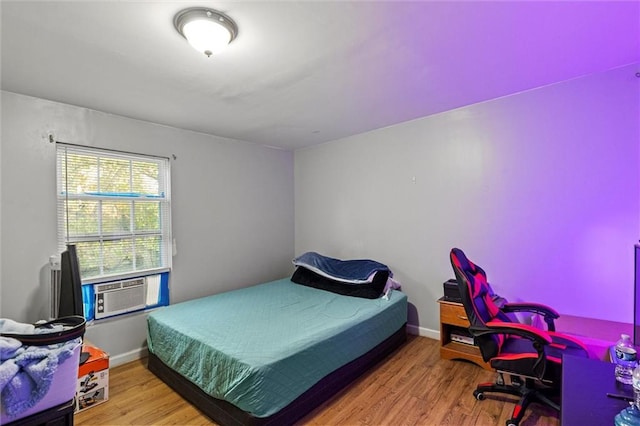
(119, 297)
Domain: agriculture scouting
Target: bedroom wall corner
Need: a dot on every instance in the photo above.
(231, 201)
(540, 188)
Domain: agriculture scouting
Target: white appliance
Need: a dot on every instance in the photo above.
(119, 297)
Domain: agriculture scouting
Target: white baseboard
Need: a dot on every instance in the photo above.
(126, 357)
(424, 332)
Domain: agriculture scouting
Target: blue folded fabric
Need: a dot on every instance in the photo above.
(26, 372)
(357, 271)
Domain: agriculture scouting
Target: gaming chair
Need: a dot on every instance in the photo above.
(530, 356)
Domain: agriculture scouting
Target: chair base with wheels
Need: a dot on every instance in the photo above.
(526, 388)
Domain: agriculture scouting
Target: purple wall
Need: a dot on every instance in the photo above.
(541, 188)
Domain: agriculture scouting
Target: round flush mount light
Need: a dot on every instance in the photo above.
(207, 30)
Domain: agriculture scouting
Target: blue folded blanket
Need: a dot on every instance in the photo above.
(26, 372)
(357, 271)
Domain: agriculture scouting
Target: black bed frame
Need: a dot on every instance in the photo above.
(226, 413)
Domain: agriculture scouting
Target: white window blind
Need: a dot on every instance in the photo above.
(116, 208)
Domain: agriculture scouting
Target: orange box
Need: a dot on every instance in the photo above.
(93, 379)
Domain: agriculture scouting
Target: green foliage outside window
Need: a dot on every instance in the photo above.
(115, 209)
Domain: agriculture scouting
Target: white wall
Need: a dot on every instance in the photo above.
(232, 210)
(540, 188)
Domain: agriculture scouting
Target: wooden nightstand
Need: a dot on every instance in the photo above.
(452, 318)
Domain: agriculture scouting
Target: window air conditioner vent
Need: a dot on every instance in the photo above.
(119, 297)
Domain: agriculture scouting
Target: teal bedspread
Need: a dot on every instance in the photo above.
(260, 347)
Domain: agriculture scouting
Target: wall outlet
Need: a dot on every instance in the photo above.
(54, 262)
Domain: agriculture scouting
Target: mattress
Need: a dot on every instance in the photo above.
(260, 347)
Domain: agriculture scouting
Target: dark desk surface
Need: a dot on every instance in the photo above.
(585, 383)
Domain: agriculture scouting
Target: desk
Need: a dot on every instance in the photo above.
(585, 383)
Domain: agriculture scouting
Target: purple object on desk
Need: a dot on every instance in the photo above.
(585, 384)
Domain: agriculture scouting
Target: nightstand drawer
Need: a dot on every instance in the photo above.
(454, 315)
(453, 318)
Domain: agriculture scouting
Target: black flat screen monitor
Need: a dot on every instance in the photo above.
(70, 302)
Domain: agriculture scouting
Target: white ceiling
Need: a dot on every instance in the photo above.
(303, 72)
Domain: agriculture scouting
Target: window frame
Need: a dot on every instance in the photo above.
(163, 198)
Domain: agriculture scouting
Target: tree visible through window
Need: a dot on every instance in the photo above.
(115, 207)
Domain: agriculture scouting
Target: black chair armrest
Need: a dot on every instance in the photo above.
(549, 314)
(522, 330)
(539, 338)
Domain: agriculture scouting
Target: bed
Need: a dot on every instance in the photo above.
(271, 353)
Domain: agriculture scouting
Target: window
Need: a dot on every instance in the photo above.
(116, 208)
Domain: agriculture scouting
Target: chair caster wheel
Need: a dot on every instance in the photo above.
(479, 395)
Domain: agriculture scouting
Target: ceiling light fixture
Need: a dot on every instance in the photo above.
(207, 30)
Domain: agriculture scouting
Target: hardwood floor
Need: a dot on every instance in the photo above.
(412, 387)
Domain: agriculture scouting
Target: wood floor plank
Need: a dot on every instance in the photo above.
(412, 387)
